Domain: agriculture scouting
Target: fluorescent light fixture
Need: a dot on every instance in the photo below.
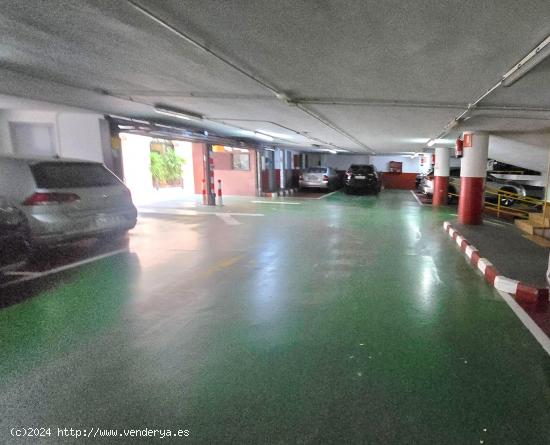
(265, 137)
(275, 135)
(417, 140)
(431, 143)
(180, 114)
(525, 65)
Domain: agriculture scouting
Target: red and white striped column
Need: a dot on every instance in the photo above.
(220, 198)
(473, 170)
(441, 176)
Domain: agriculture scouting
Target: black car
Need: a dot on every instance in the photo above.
(14, 235)
(362, 178)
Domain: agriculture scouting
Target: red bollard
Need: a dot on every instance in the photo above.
(220, 200)
(204, 199)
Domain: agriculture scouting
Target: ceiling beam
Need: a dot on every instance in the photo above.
(276, 92)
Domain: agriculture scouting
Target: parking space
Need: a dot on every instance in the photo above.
(311, 319)
(275, 222)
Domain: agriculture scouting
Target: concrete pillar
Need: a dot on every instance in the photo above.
(259, 157)
(282, 176)
(473, 170)
(270, 165)
(209, 175)
(441, 175)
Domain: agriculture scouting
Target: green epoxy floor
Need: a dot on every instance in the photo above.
(342, 320)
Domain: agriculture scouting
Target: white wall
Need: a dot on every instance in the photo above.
(75, 135)
(80, 136)
(410, 165)
(341, 161)
(527, 150)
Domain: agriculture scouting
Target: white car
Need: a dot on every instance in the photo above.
(319, 178)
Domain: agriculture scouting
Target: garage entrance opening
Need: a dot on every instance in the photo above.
(157, 170)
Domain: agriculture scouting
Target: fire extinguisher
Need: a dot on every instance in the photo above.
(421, 160)
(459, 148)
(433, 158)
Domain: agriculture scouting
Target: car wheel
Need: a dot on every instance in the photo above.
(507, 201)
(452, 198)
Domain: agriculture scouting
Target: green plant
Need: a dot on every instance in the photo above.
(173, 164)
(165, 167)
(158, 168)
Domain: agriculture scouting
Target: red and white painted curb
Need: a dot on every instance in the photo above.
(522, 292)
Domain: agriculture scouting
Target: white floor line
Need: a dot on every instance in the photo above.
(36, 275)
(171, 211)
(242, 214)
(527, 321)
(327, 195)
(494, 223)
(19, 274)
(497, 223)
(416, 197)
(277, 202)
(228, 219)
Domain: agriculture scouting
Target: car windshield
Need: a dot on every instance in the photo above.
(316, 170)
(362, 169)
(59, 175)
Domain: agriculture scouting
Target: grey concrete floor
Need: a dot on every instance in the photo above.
(513, 255)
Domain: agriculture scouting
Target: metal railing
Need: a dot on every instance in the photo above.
(523, 205)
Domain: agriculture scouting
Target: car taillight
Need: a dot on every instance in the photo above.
(325, 178)
(429, 178)
(40, 198)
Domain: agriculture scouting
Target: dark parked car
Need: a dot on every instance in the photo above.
(14, 235)
(362, 178)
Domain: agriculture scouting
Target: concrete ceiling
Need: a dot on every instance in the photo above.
(363, 75)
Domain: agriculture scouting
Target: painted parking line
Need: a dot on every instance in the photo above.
(277, 202)
(527, 321)
(497, 223)
(171, 211)
(416, 197)
(327, 195)
(228, 219)
(34, 275)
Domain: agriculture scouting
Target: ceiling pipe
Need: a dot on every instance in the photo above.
(532, 59)
(278, 94)
(300, 133)
(525, 65)
(200, 46)
(375, 103)
(333, 127)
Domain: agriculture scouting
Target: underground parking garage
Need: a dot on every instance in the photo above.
(274, 222)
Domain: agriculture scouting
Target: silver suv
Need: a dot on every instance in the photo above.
(65, 199)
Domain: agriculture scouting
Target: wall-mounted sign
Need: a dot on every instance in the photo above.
(396, 167)
(468, 140)
(241, 161)
(459, 148)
